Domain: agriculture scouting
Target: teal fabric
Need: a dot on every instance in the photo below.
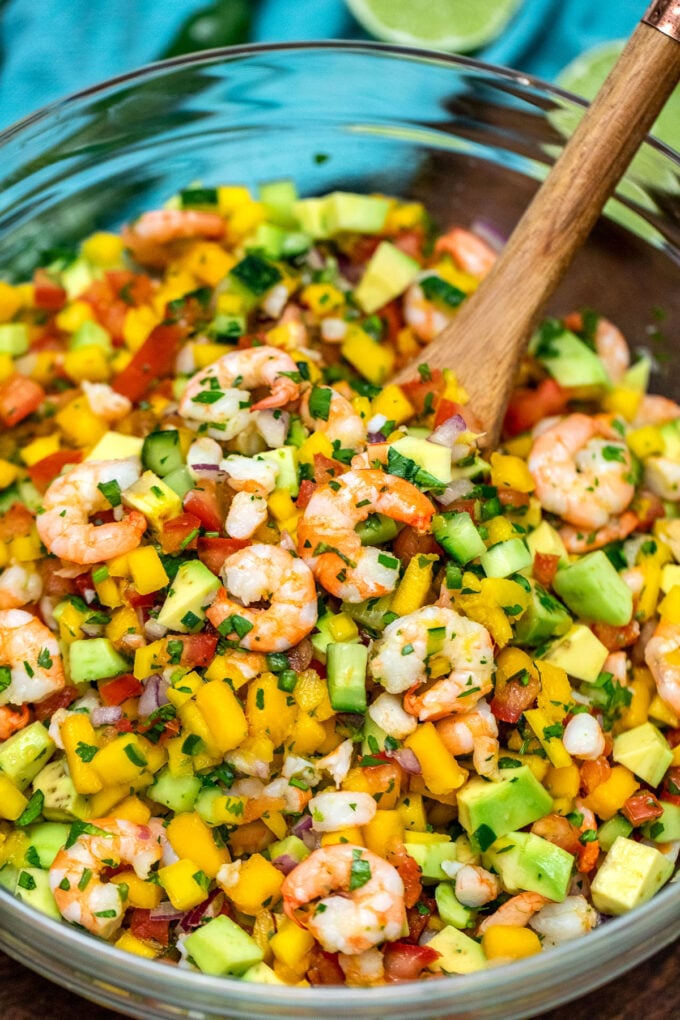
(50, 48)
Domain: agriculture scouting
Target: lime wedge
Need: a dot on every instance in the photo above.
(451, 25)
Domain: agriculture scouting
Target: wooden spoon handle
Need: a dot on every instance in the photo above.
(491, 330)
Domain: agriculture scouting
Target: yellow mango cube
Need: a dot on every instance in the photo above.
(80, 745)
(103, 249)
(223, 714)
(505, 941)
(146, 569)
(129, 943)
(39, 449)
(88, 362)
(184, 883)
(189, 834)
(12, 800)
(372, 360)
(258, 885)
(440, 771)
(510, 472)
(291, 943)
(610, 796)
(145, 895)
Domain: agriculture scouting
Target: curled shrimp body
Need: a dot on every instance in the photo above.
(581, 470)
(275, 575)
(18, 586)
(610, 344)
(75, 875)
(219, 395)
(148, 236)
(517, 911)
(468, 251)
(341, 422)
(328, 542)
(474, 733)
(422, 316)
(655, 410)
(13, 719)
(31, 652)
(64, 527)
(661, 655)
(410, 645)
(323, 895)
(578, 541)
(253, 481)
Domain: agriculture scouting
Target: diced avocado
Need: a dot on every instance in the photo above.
(451, 910)
(222, 947)
(346, 664)
(8, 877)
(645, 751)
(387, 275)
(431, 458)
(91, 333)
(579, 653)
(310, 214)
(546, 539)
(162, 452)
(154, 498)
(543, 619)
(290, 846)
(373, 614)
(377, 529)
(429, 858)
(345, 210)
(45, 840)
(278, 199)
(488, 811)
(593, 589)
(505, 558)
(459, 954)
(191, 592)
(95, 659)
(527, 862)
(25, 753)
(33, 887)
(178, 793)
(116, 446)
(261, 974)
(610, 830)
(458, 535)
(630, 874)
(569, 360)
(284, 460)
(665, 828)
(62, 802)
(180, 481)
(14, 338)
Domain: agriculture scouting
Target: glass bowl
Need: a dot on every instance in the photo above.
(470, 141)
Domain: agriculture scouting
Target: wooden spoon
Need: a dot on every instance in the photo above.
(484, 342)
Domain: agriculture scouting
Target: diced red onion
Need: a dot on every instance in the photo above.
(447, 433)
(165, 912)
(208, 908)
(154, 629)
(285, 863)
(375, 437)
(458, 489)
(92, 629)
(405, 757)
(153, 696)
(208, 471)
(106, 715)
(489, 233)
(302, 826)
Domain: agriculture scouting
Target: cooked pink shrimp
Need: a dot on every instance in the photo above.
(270, 573)
(332, 414)
(254, 480)
(402, 657)
(610, 344)
(474, 733)
(661, 655)
(219, 395)
(31, 652)
(476, 886)
(581, 470)
(12, 719)
(105, 402)
(75, 875)
(422, 316)
(72, 498)
(468, 251)
(368, 905)
(147, 236)
(18, 585)
(655, 410)
(577, 540)
(328, 542)
(517, 911)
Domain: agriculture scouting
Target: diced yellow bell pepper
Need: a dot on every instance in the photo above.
(12, 800)
(146, 568)
(375, 362)
(80, 745)
(291, 943)
(189, 835)
(504, 941)
(511, 472)
(145, 895)
(129, 943)
(259, 885)
(103, 249)
(440, 770)
(610, 796)
(414, 585)
(223, 714)
(184, 883)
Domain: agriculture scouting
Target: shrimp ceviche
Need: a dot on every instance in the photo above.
(300, 683)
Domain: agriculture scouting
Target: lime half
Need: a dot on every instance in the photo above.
(451, 25)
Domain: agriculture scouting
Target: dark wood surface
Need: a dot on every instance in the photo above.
(650, 992)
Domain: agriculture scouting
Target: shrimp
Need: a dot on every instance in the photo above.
(611, 345)
(219, 395)
(410, 646)
(655, 410)
(253, 480)
(422, 316)
(19, 586)
(333, 810)
(69, 501)
(517, 911)
(105, 402)
(328, 542)
(618, 528)
(476, 886)
(13, 719)
(29, 651)
(363, 970)
(661, 655)
(468, 251)
(581, 470)
(76, 872)
(367, 910)
(265, 572)
(334, 415)
(475, 733)
(147, 236)
(561, 922)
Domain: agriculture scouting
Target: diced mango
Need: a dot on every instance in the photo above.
(146, 568)
(258, 885)
(189, 835)
(184, 883)
(610, 796)
(440, 770)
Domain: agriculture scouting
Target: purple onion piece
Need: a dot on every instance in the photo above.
(405, 757)
(489, 233)
(106, 715)
(153, 696)
(195, 917)
(302, 826)
(447, 433)
(165, 912)
(375, 437)
(285, 863)
(92, 629)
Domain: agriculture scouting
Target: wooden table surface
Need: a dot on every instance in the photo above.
(650, 992)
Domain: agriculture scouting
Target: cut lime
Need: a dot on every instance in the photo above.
(451, 25)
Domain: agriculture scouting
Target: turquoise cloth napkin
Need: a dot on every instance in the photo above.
(50, 48)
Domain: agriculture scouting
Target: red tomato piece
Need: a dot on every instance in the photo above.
(405, 961)
(307, 487)
(529, 406)
(154, 359)
(545, 568)
(47, 294)
(616, 638)
(203, 503)
(410, 543)
(124, 726)
(326, 468)
(131, 288)
(446, 409)
(180, 533)
(409, 872)
(214, 551)
(46, 470)
(324, 968)
(60, 699)
(392, 318)
(424, 393)
(19, 397)
(118, 690)
(514, 697)
(670, 790)
(642, 807)
(198, 649)
(143, 926)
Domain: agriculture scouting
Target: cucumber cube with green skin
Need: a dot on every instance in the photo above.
(268, 238)
(568, 360)
(33, 888)
(14, 338)
(610, 831)
(180, 481)
(90, 333)
(457, 534)
(430, 856)
(191, 592)
(25, 753)
(290, 846)
(579, 653)
(310, 215)
(387, 275)
(346, 665)
(373, 737)
(544, 618)
(222, 947)
(162, 453)
(527, 862)
(645, 751)
(8, 877)
(93, 659)
(665, 828)
(347, 211)
(45, 841)
(593, 590)
(377, 529)
(459, 954)
(284, 460)
(488, 811)
(451, 910)
(278, 199)
(61, 800)
(373, 614)
(179, 793)
(505, 558)
(630, 874)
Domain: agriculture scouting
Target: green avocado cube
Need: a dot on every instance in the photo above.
(430, 857)
(593, 590)
(61, 800)
(24, 754)
(190, 593)
(569, 360)
(645, 751)
(459, 954)
(93, 659)
(505, 558)
(629, 876)
(451, 910)
(528, 862)
(33, 887)
(387, 275)
(222, 947)
(579, 653)
(546, 539)
(154, 498)
(490, 810)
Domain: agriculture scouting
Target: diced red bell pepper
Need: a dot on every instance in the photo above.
(143, 926)
(180, 533)
(203, 502)
(47, 293)
(642, 807)
(154, 359)
(545, 568)
(529, 406)
(19, 397)
(124, 726)
(307, 487)
(405, 961)
(118, 690)
(60, 699)
(46, 470)
(198, 649)
(214, 551)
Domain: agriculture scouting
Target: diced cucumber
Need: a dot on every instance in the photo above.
(451, 910)
(284, 460)
(346, 210)
(310, 214)
(458, 535)
(289, 846)
(91, 333)
(227, 327)
(278, 199)
(221, 946)
(24, 754)
(612, 829)
(95, 659)
(544, 618)
(387, 275)
(267, 239)
(569, 360)
(252, 277)
(377, 529)
(594, 590)
(505, 558)
(373, 737)
(346, 664)
(162, 453)
(180, 481)
(33, 887)
(45, 841)
(373, 614)
(178, 793)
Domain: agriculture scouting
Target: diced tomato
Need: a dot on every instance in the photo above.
(198, 649)
(47, 294)
(307, 487)
(465, 506)
(204, 503)
(424, 393)
(46, 470)
(593, 773)
(513, 498)
(410, 874)
(118, 690)
(392, 317)
(514, 697)
(411, 243)
(180, 533)
(112, 297)
(324, 968)
(124, 726)
(131, 288)
(670, 790)
(528, 406)
(326, 468)
(558, 830)
(214, 551)
(446, 409)
(16, 522)
(143, 926)
(154, 359)
(137, 601)
(19, 397)
(319, 667)
(410, 543)
(616, 638)
(60, 699)
(405, 961)
(642, 807)
(545, 568)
